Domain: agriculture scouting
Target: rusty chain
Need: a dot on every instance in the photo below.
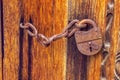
(107, 38)
(71, 28)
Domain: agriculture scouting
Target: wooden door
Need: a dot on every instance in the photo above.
(23, 58)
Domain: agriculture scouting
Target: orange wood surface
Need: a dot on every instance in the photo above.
(115, 31)
(26, 59)
(11, 19)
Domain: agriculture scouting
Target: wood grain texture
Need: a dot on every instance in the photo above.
(49, 17)
(11, 19)
(26, 59)
(115, 31)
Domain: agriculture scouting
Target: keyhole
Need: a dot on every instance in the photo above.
(90, 47)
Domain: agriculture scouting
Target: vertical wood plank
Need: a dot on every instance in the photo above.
(1, 64)
(116, 28)
(11, 19)
(49, 17)
(81, 67)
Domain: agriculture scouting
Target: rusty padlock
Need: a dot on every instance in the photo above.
(89, 42)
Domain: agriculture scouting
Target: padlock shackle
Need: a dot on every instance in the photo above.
(89, 21)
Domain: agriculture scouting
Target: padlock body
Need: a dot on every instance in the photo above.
(89, 42)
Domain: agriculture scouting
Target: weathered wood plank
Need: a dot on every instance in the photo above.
(115, 29)
(49, 17)
(11, 19)
(80, 67)
(1, 61)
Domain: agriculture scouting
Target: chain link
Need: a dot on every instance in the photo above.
(71, 28)
(107, 39)
(107, 36)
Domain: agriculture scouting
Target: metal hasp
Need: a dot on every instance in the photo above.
(89, 39)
